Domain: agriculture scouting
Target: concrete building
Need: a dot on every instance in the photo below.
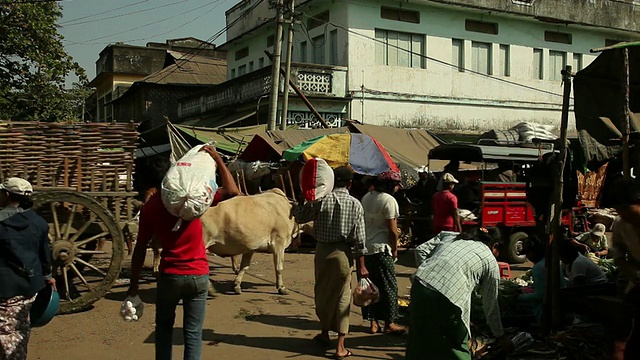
(442, 64)
(120, 66)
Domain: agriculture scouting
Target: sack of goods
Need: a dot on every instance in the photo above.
(190, 185)
(366, 293)
(131, 308)
(316, 179)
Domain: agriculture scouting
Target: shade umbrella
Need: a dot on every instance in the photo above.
(361, 152)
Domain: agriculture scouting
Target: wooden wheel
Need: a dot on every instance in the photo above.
(84, 264)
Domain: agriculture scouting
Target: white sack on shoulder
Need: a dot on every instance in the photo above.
(189, 186)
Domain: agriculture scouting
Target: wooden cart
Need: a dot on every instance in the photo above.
(82, 177)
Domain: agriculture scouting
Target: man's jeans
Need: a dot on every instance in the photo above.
(192, 290)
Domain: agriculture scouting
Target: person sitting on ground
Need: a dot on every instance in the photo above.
(450, 267)
(594, 241)
(579, 269)
(535, 252)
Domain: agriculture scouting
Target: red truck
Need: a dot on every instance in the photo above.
(499, 204)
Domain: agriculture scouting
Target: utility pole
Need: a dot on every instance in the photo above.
(275, 68)
(287, 68)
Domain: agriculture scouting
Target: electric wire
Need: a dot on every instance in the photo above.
(102, 13)
(122, 15)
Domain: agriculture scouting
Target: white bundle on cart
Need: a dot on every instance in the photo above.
(190, 185)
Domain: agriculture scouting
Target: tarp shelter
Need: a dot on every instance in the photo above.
(406, 146)
(228, 140)
(269, 146)
(599, 92)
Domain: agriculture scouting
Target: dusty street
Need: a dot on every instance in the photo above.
(259, 324)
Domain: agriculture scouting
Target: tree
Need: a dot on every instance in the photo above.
(34, 64)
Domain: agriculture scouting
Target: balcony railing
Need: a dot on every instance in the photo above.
(312, 80)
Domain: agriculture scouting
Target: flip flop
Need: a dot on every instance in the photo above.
(318, 339)
(349, 353)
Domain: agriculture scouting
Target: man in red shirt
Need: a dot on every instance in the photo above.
(184, 268)
(445, 207)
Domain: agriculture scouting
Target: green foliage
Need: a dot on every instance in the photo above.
(34, 65)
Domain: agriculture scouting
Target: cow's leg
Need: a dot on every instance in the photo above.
(235, 264)
(278, 264)
(156, 261)
(244, 265)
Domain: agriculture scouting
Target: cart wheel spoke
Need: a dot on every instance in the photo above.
(85, 263)
(84, 281)
(66, 282)
(69, 222)
(56, 224)
(93, 238)
(82, 251)
(81, 231)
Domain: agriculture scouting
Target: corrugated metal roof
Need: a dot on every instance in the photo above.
(191, 70)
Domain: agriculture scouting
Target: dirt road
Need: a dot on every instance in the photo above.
(259, 324)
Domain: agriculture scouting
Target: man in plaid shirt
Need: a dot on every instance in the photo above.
(449, 270)
(339, 227)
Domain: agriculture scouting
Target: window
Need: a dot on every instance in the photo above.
(557, 62)
(481, 57)
(250, 66)
(242, 53)
(260, 63)
(233, 73)
(242, 70)
(505, 60)
(318, 43)
(457, 53)
(557, 37)
(270, 40)
(303, 51)
(400, 15)
(333, 43)
(318, 20)
(400, 49)
(481, 27)
(537, 64)
(576, 65)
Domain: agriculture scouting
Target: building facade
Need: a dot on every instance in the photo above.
(447, 65)
(119, 66)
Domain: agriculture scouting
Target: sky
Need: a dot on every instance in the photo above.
(88, 26)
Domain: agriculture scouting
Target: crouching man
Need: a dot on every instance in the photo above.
(450, 268)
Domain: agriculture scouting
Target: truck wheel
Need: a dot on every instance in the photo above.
(514, 253)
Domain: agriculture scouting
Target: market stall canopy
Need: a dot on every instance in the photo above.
(362, 152)
(229, 140)
(599, 99)
(406, 146)
(486, 153)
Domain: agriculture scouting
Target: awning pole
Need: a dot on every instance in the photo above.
(553, 313)
(626, 128)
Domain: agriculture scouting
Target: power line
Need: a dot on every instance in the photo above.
(139, 27)
(442, 62)
(103, 12)
(126, 14)
(214, 37)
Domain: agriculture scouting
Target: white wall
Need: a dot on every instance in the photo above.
(438, 93)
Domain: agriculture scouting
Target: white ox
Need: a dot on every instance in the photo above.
(246, 224)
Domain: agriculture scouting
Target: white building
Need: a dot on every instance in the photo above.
(457, 64)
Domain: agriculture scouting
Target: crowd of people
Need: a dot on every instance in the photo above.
(349, 232)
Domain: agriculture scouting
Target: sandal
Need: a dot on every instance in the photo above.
(338, 357)
(396, 331)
